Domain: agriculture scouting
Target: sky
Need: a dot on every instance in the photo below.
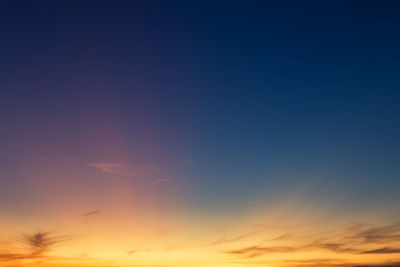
(199, 133)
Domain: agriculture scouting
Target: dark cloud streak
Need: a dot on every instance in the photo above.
(354, 240)
(38, 244)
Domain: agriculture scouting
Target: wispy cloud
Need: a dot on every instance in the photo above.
(387, 264)
(38, 244)
(385, 250)
(111, 168)
(357, 240)
(90, 213)
(318, 263)
(225, 239)
(380, 234)
(255, 251)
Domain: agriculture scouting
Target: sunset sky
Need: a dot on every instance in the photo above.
(199, 133)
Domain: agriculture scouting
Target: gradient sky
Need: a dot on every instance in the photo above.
(199, 133)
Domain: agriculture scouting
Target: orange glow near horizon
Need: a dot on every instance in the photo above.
(111, 214)
(282, 235)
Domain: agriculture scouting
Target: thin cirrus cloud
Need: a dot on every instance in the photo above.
(255, 251)
(357, 240)
(337, 263)
(111, 168)
(388, 264)
(38, 245)
(380, 234)
(90, 213)
(225, 239)
(121, 170)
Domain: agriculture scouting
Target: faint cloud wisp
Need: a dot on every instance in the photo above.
(111, 168)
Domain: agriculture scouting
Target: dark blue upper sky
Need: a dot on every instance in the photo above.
(260, 96)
